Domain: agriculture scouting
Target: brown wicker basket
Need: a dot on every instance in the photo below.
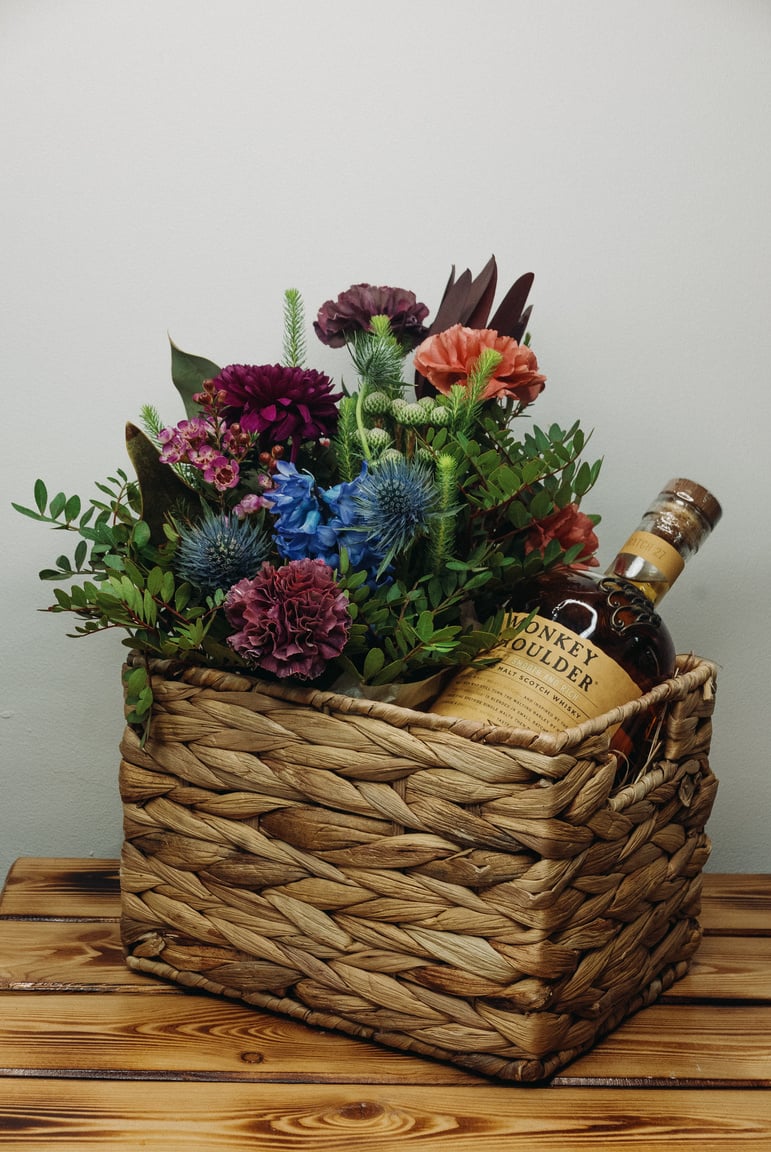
(488, 897)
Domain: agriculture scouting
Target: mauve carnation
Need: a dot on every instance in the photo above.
(569, 526)
(449, 358)
(283, 405)
(353, 310)
(290, 621)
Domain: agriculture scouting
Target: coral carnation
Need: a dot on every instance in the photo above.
(290, 621)
(569, 526)
(353, 310)
(282, 405)
(449, 358)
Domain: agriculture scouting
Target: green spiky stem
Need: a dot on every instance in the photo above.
(442, 532)
(294, 336)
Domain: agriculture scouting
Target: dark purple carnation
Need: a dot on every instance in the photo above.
(353, 310)
(283, 405)
(290, 621)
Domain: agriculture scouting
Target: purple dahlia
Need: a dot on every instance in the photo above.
(290, 621)
(282, 405)
(353, 310)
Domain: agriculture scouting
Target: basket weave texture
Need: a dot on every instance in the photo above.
(488, 897)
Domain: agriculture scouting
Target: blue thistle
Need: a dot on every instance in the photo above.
(396, 502)
(219, 551)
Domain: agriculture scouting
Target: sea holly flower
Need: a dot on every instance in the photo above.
(396, 502)
(290, 621)
(220, 550)
(281, 405)
(339, 320)
(449, 358)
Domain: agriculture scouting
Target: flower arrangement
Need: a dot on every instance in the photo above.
(356, 539)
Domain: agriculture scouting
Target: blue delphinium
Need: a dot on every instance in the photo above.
(220, 550)
(346, 528)
(319, 526)
(297, 513)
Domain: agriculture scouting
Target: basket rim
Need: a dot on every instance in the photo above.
(692, 672)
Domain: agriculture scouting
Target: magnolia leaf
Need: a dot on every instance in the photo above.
(189, 373)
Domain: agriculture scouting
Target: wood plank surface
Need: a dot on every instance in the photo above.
(94, 1056)
(61, 887)
(197, 1036)
(205, 1036)
(100, 1116)
(726, 968)
(736, 903)
(61, 954)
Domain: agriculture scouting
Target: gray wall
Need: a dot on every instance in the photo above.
(172, 167)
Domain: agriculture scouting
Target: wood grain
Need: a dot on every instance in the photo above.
(100, 1116)
(95, 1057)
(734, 903)
(206, 1036)
(60, 954)
(193, 1035)
(37, 886)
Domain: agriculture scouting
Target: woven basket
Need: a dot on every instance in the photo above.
(488, 897)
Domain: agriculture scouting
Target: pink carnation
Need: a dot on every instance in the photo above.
(290, 621)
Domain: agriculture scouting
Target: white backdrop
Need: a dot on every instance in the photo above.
(171, 166)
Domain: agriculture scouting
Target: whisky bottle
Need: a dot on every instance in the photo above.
(584, 644)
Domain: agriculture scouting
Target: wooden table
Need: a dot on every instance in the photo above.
(93, 1056)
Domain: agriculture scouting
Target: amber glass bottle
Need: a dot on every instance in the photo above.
(588, 644)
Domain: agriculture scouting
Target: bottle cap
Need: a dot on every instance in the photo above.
(696, 497)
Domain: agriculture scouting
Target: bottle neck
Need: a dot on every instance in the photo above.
(649, 562)
(673, 528)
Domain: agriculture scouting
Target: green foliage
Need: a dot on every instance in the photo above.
(439, 595)
(294, 329)
(402, 631)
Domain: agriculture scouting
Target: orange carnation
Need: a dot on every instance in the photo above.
(449, 357)
(569, 526)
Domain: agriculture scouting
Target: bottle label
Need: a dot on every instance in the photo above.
(548, 678)
(656, 551)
